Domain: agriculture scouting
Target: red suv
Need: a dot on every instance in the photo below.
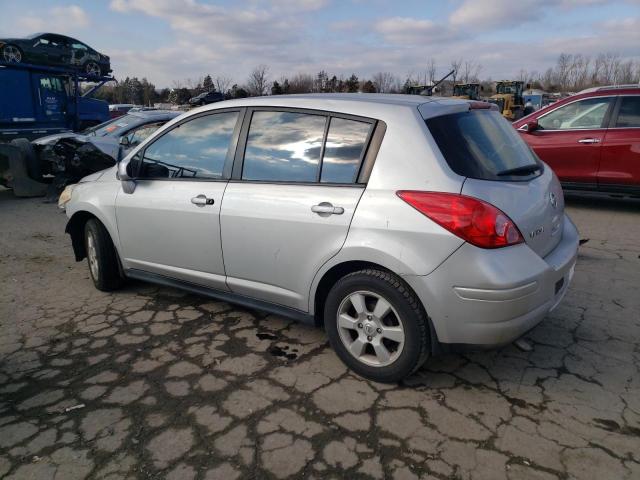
(591, 140)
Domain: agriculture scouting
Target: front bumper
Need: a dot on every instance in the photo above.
(492, 297)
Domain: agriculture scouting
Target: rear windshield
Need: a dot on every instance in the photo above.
(482, 144)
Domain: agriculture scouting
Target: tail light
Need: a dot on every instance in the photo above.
(471, 219)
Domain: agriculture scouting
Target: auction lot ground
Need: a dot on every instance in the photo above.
(170, 385)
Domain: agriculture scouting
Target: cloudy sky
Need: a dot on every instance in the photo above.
(168, 40)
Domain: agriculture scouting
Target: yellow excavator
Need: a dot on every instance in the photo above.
(508, 98)
(467, 91)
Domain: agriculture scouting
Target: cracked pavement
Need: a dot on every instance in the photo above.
(152, 382)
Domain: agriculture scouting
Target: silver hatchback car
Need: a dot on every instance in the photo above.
(399, 223)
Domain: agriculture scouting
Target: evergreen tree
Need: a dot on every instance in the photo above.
(368, 87)
(406, 88)
(352, 84)
(276, 89)
(321, 81)
(207, 84)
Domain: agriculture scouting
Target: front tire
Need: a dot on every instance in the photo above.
(92, 69)
(377, 325)
(11, 54)
(101, 257)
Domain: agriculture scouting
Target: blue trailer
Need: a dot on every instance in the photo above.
(37, 100)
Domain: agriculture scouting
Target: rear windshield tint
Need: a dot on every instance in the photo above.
(482, 144)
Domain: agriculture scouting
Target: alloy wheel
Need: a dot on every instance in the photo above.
(12, 54)
(370, 328)
(92, 255)
(93, 69)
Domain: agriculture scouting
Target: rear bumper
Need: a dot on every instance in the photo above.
(492, 297)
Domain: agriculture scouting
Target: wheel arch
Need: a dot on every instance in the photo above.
(75, 229)
(350, 260)
(330, 277)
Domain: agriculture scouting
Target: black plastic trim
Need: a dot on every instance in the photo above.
(606, 188)
(243, 300)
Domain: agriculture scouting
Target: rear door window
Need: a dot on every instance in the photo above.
(629, 113)
(284, 146)
(482, 144)
(292, 146)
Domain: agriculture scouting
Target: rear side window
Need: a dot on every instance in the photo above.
(629, 113)
(284, 146)
(343, 151)
(482, 144)
(194, 149)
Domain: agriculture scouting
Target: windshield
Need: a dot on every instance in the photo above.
(482, 144)
(113, 128)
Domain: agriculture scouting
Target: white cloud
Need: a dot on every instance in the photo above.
(231, 40)
(412, 31)
(63, 19)
(487, 14)
(482, 14)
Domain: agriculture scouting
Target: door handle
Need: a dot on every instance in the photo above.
(325, 208)
(202, 200)
(589, 140)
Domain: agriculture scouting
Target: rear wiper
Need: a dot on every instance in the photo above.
(524, 170)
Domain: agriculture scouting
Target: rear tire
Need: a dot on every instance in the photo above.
(102, 257)
(377, 326)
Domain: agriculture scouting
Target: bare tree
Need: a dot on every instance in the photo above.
(431, 71)
(627, 72)
(455, 66)
(610, 68)
(258, 79)
(523, 75)
(222, 83)
(562, 68)
(470, 71)
(301, 83)
(384, 82)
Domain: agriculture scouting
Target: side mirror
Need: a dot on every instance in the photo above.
(531, 126)
(125, 175)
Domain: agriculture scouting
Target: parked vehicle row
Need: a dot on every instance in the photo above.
(591, 140)
(401, 223)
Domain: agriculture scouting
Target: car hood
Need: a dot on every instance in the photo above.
(49, 139)
(106, 144)
(94, 177)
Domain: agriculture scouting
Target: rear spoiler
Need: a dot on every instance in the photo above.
(436, 108)
(477, 105)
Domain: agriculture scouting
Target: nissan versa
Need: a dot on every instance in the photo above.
(399, 223)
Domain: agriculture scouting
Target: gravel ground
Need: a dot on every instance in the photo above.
(154, 383)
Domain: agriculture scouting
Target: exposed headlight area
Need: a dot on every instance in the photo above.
(65, 196)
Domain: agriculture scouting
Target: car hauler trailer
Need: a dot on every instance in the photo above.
(37, 100)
